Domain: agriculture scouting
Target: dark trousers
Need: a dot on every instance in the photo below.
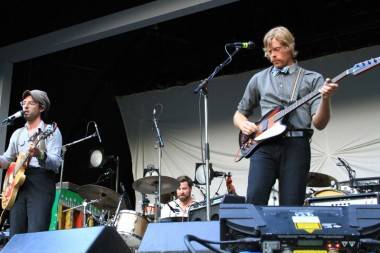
(285, 158)
(32, 209)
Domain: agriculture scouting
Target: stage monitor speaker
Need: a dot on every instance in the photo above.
(169, 237)
(90, 240)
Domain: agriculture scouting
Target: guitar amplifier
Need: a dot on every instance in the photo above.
(372, 198)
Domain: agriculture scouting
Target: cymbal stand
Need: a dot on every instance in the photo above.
(204, 92)
(84, 205)
(160, 142)
(117, 210)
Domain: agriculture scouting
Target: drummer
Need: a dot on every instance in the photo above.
(178, 210)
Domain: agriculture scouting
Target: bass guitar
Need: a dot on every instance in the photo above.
(15, 175)
(272, 124)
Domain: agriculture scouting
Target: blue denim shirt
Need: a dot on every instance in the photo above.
(19, 142)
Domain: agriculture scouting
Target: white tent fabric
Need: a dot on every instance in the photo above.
(353, 132)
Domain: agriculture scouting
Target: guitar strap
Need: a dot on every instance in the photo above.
(18, 135)
(42, 142)
(295, 84)
(293, 98)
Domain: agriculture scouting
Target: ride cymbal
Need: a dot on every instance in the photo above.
(107, 198)
(316, 179)
(149, 185)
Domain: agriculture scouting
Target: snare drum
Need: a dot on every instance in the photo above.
(131, 226)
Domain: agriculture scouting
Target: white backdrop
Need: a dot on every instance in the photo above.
(353, 132)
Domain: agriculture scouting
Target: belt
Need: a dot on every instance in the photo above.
(298, 133)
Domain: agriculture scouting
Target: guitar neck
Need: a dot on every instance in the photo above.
(281, 114)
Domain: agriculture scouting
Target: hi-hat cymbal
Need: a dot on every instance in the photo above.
(316, 179)
(149, 185)
(107, 198)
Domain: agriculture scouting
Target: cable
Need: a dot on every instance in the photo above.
(88, 123)
(206, 243)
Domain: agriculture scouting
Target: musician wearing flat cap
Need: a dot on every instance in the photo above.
(34, 152)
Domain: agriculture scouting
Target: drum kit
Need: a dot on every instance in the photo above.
(130, 224)
(332, 192)
(318, 180)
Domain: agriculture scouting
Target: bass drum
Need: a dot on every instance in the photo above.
(131, 226)
(319, 197)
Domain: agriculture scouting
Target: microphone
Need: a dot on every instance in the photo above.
(13, 117)
(97, 132)
(122, 186)
(109, 172)
(218, 174)
(245, 45)
(154, 112)
(155, 125)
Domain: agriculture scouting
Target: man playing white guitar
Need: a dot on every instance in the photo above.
(30, 204)
(286, 156)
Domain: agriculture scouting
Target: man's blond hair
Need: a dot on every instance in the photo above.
(283, 35)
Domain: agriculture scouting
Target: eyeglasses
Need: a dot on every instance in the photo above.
(24, 103)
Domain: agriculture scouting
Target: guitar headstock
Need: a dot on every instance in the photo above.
(40, 135)
(365, 65)
(48, 131)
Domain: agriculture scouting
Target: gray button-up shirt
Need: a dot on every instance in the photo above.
(266, 90)
(19, 142)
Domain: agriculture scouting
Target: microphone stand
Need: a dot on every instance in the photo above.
(351, 172)
(64, 149)
(203, 88)
(160, 146)
(117, 173)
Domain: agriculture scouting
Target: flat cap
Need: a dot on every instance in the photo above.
(38, 96)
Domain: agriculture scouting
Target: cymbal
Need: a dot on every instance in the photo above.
(107, 198)
(316, 179)
(149, 185)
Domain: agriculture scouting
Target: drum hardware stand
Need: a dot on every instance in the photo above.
(84, 205)
(113, 222)
(102, 218)
(160, 142)
(204, 92)
(121, 199)
(144, 203)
